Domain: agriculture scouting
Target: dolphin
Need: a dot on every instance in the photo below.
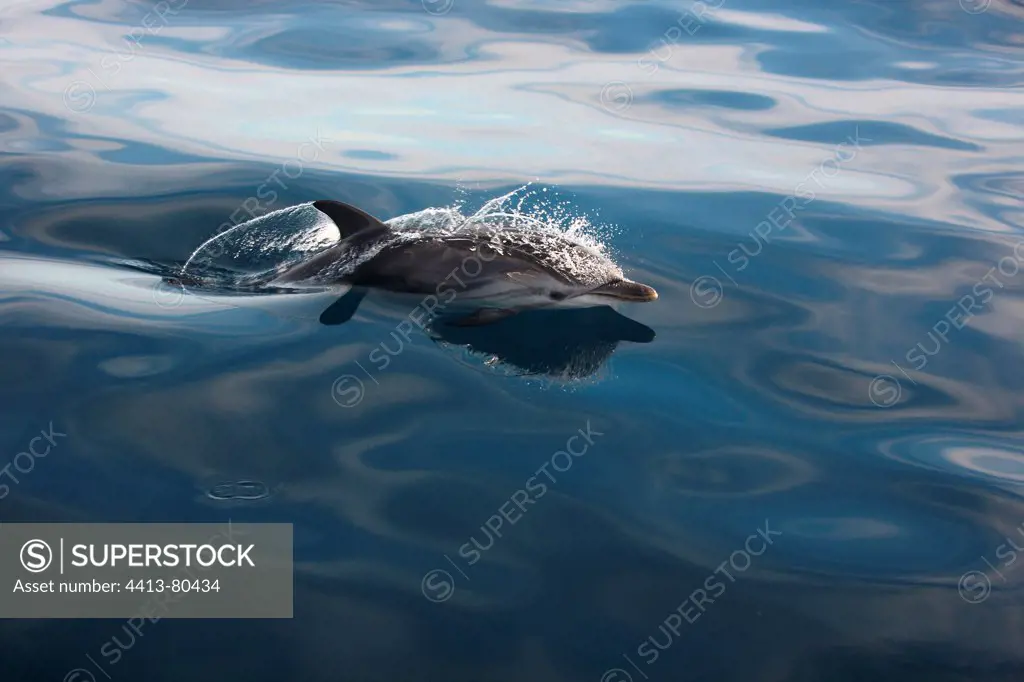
(494, 271)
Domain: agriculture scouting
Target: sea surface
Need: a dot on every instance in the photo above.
(804, 462)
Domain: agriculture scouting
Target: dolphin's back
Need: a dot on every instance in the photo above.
(420, 266)
(372, 254)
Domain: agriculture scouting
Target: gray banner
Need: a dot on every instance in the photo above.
(145, 570)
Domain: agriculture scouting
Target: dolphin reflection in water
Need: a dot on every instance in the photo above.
(567, 345)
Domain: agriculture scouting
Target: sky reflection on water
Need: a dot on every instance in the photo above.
(826, 196)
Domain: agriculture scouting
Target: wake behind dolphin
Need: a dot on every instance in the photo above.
(491, 265)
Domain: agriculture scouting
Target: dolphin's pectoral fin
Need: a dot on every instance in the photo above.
(342, 310)
(483, 316)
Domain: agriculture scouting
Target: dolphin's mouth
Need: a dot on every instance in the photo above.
(625, 290)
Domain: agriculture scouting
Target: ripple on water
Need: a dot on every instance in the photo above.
(732, 472)
(132, 366)
(961, 454)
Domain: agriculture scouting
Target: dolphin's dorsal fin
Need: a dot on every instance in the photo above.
(349, 219)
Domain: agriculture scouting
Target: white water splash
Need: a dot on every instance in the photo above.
(254, 250)
(521, 220)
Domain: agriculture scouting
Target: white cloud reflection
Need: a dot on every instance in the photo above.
(528, 109)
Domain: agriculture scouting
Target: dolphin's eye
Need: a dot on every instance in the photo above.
(557, 296)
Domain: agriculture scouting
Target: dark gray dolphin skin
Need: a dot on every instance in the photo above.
(512, 270)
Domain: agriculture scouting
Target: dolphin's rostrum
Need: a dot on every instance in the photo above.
(515, 268)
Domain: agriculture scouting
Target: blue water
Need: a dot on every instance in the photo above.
(803, 462)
